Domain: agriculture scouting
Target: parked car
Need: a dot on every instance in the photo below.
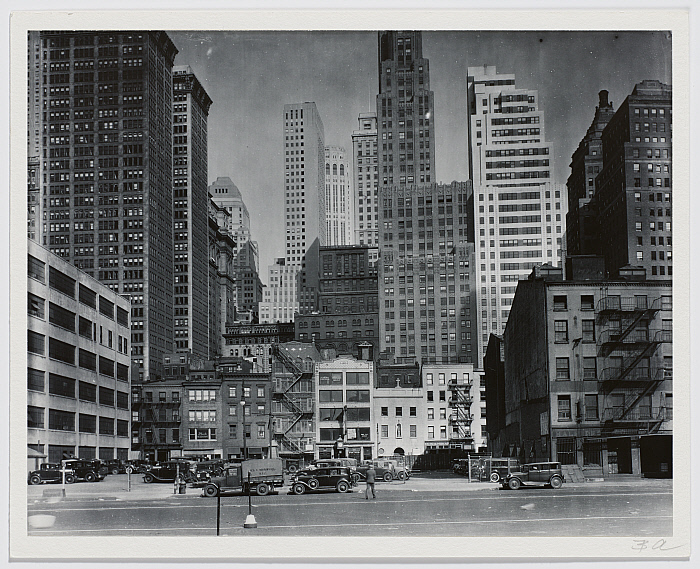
(204, 471)
(338, 478)
(49, 472)
(535, 474)
(116, 466)
(497, 469)
(90, 470)
(387, 470)
(139, 466)
(168, 471)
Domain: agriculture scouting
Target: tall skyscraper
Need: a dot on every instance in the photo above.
(293, 280)
(519, 214)
(586, 163)
(339, 202)
(106, 166)
(366, 181)
(405, 122)
(426, 255)
(633, 189)
(191, 213)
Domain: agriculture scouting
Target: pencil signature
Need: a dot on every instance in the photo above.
(659, 545)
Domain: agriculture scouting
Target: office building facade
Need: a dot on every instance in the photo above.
(366, 182)
(106, 169)
(519, 212)
(191, 212)
(427, 298)
(339, 197)
(78, 362)
(633, 199)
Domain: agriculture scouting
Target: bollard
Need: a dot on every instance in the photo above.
(250, 520)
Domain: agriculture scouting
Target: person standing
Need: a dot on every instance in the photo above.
(371, 476)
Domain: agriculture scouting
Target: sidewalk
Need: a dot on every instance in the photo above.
(115, 487)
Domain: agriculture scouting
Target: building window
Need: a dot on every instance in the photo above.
(589, 368)
(591, 403)
(430, 395)
(261, 431)
(431, 413)
(428, 378)
(412, 411)
(588, 330)
(261, 392)
(587, 302)
(385, 431)
(399, 411)
(385, 412)
(564, 407)
(562, 368)
(560, 302)
(232, 392)
(412, 431)
(561, 331)
(431, 432)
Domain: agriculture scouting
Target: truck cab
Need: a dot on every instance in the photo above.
(260, 476)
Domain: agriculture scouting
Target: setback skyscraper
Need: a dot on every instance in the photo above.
(106, 165)
(519, 214)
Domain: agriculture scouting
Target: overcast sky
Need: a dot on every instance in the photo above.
(250, 76)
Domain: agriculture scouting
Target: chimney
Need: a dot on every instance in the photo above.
(603, 99)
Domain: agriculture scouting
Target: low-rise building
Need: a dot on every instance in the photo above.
(254, 342)
(78, 362)
(588, 373)
(344, 397)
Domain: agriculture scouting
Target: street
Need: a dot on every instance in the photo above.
(477, 510)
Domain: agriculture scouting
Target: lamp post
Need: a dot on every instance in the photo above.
(244, 433)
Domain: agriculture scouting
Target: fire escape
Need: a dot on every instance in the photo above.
(283, 393)
(156, 422)
(461, 417)
(630, 371)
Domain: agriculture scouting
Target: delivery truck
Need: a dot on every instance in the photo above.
(265, 475)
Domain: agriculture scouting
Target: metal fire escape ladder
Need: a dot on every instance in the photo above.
(298, 412)
(461, 401)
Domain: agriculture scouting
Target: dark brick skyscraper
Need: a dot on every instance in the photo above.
(104, 134)
(405, 123)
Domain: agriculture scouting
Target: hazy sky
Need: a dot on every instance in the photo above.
(250, 76)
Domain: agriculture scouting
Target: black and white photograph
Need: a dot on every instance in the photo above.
(326, 285)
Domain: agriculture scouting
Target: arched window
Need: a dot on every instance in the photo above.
(342, 170)
(328, 169)
(335, 169)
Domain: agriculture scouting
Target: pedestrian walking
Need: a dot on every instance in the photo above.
(371, 476)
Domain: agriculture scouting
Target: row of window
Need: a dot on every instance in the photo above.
(65, 421)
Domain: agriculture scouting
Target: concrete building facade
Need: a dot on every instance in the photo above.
(254, 342)
(519, 212)
(78, 362)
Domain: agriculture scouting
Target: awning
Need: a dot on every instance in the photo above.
(31, 453)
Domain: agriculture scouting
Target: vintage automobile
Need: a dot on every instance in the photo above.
(387, 470)
(168, 471)
(116, 466)
(497, 469)
(138, 466)
(90, 470)
(50, 472)
(338, 478)
(535, 474)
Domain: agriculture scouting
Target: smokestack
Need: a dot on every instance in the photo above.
(603, 99)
